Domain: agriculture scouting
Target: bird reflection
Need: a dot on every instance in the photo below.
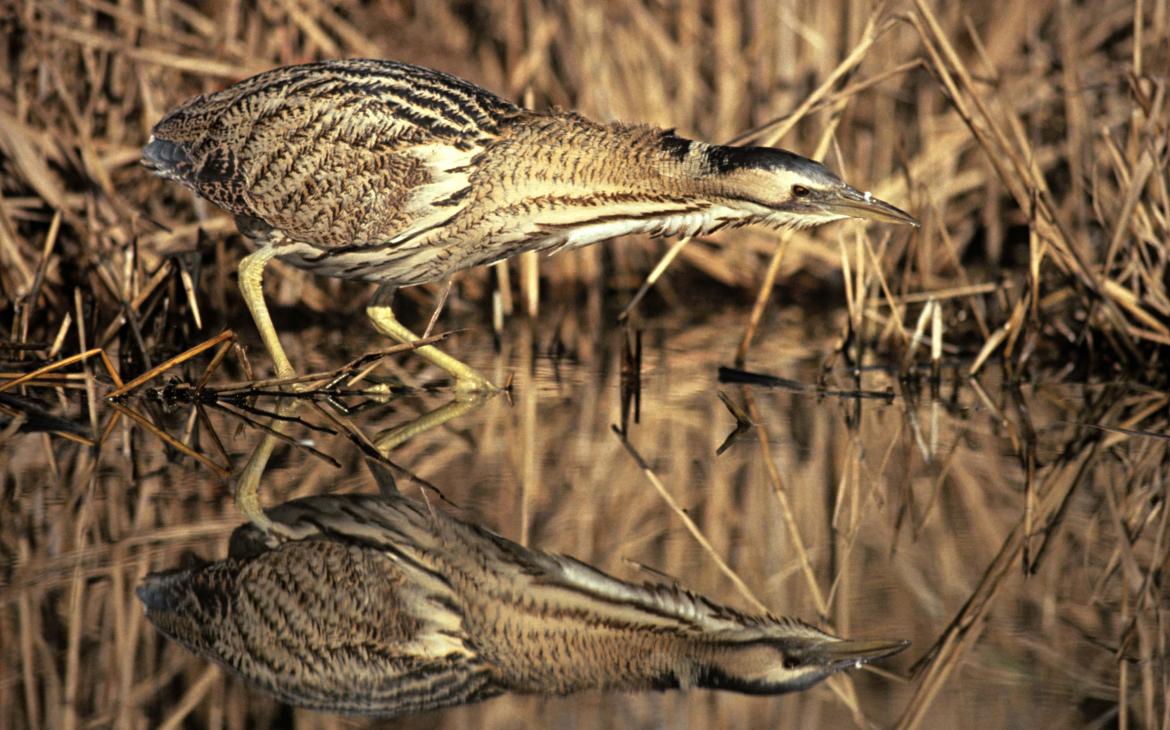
(387, 606)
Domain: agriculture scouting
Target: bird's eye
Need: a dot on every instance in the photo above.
(791, 662)
(800, 191)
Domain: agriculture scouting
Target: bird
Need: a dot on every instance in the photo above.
(384, 605)
(387, 172)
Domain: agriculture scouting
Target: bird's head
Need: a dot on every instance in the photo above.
(784, 189)
(784, 656)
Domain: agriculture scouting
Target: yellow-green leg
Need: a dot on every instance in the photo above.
(467, 378)
(247, 485)
(391, 439)
(251, 275)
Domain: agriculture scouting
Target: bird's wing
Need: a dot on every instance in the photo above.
(334, 154)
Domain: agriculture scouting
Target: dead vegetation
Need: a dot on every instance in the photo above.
(1032, 141)
(1030, 138)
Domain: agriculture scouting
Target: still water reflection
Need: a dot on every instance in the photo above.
(981, 524)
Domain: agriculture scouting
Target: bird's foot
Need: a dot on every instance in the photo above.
(472, 385)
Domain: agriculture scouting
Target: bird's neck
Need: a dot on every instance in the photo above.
(552, 624)
(585, 182)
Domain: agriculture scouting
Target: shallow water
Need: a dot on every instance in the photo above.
(901, 505)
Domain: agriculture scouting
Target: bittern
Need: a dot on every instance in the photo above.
(397, 174)
(383, 605)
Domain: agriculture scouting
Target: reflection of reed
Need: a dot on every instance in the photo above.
(924, 541)
(383, 605)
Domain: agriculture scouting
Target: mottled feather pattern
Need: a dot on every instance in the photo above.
(321, 623)
(328, 154)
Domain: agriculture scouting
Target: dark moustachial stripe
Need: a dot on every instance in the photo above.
(675, 146)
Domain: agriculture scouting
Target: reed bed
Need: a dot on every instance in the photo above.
(1030, 139)
(1004, 507)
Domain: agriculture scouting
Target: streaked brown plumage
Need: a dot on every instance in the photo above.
(387, 172)
(382, 605)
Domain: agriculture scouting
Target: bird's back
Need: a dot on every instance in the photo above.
(331, 154)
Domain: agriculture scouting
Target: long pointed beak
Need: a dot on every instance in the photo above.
(849, 652)
(853, 203)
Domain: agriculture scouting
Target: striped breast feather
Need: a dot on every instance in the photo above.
(446, 192)
(398, 237)
(573, 227)
(420, 590)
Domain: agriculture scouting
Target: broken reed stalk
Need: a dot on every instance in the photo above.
(223, 472)
(51, 367)
(223, 337)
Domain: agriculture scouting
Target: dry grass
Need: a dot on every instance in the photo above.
(1013, 527)
(1031, 140)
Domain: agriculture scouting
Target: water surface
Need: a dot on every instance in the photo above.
(887, 517)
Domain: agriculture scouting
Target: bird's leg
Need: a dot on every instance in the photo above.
(392, 438)
(467, 378)
(251, 274)
(247, 486)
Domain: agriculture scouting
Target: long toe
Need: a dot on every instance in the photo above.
(473, 384)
